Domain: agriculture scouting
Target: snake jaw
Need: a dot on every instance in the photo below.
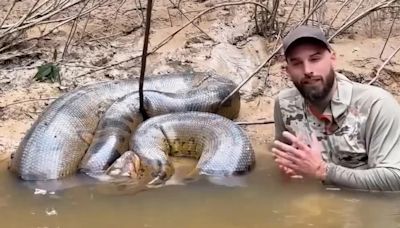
(128, 165)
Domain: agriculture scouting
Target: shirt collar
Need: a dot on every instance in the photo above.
(342, 97)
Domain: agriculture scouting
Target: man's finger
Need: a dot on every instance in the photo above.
(286, 163)
(284, 147)
(288, 156)
(298, 143)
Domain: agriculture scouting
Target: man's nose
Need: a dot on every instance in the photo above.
(308, 69)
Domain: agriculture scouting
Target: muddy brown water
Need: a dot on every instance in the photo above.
(263, 199)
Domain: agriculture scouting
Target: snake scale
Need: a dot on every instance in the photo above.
(89, 128)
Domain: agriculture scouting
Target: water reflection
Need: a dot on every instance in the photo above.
(266, 201)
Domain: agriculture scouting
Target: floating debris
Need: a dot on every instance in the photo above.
(39, 191)
(51, 211)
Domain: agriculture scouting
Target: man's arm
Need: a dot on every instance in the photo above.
(383, 146)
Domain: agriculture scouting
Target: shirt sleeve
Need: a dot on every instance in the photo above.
(382, 140)
(278, 121)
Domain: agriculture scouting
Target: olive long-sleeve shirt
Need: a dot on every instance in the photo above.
(361, 138)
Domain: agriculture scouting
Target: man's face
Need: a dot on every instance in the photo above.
(311, 68)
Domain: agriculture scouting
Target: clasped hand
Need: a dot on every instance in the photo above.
(299, 159)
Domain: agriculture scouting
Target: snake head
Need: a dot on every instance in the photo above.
(128, 165)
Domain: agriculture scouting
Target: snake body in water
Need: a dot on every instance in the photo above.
(98, 128)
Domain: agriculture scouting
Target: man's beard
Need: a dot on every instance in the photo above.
(315, 95)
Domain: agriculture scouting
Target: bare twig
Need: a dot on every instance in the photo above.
(76, 65)
(169, 16)
(73, 30)
(116, 15)
(383, 65)
(250, 76)
(106, 37)
(141, 10)
(201, 30)
(378, 6)
(287, 19)
(279, 36)
(33, 15)
(86, 22)
(47, 33)
(256, 122)
(23, 18)
(168, 38)
(34, 22)
(26, 101)
(256, 20)
(8, 13)
(352, 13)
(336, 15)
(144, 57)
(388, 36)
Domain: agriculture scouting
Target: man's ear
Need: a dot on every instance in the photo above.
(284, 69)
(333, 58)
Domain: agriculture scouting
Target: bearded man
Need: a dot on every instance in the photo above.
(330, 128)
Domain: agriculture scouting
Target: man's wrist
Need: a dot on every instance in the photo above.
(322, 171)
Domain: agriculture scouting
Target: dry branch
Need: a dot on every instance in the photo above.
(352, 13)
(288, 18)
(26, 101)
(387, 38)
(34, 22)
(336, 15)
(201, 30)
(8, 13)
(48, 32)
(33, 15)
(383, 65)
(378, 6)
(256, 122)
(73, 30)
(22, 19)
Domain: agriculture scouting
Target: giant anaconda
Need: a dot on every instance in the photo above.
(221, 147)
(89, 128)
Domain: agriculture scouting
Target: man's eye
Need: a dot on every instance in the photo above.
(316, 58)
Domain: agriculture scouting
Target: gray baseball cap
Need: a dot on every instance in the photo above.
(304, 31)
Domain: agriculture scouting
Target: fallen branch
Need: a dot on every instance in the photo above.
(26, 101)
(256, 122)
(105, 37)
(383, 65)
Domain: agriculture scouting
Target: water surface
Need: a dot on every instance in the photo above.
(266, 201)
